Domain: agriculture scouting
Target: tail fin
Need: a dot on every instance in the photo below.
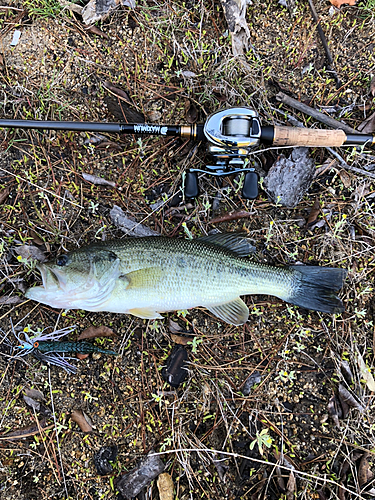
(316, 287)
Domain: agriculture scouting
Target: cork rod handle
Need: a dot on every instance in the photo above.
(293, 136)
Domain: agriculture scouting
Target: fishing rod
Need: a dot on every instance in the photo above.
(230, 134)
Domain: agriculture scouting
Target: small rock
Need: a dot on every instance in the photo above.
(289, 178)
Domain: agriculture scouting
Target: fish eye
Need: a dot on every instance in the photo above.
(62, 260)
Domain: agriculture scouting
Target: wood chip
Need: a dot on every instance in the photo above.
(165, 486)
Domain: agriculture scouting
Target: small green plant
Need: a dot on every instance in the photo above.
(43, 8)
(194, 344)
(263, 439)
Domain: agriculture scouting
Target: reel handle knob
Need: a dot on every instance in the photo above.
(191, 185)
(250, 186)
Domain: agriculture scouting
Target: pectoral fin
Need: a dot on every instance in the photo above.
(145, 313)
(142, 278)
(235, 312)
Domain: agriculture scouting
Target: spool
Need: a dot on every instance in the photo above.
(236, 126)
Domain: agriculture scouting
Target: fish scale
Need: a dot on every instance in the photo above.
(151, 275)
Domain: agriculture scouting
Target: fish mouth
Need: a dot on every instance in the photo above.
(52, 285)
(51, 279)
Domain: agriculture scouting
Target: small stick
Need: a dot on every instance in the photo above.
(321, 117)
(324, 42)
(232, 216)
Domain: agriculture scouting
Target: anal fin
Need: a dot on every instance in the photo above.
(235, 312)
(145, 313)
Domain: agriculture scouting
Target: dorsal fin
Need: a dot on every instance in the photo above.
(235, 242)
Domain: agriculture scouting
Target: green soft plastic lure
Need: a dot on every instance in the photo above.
(47, 348)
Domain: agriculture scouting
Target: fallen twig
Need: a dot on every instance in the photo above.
(324, 42)
(321, 117)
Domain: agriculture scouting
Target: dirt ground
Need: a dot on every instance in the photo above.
(306, 429)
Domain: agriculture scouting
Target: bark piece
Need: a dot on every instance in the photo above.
(131, 484)
(289, 178)
(235, 14)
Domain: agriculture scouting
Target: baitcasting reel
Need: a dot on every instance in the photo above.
(230, 136)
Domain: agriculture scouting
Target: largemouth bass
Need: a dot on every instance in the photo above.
(151, 275)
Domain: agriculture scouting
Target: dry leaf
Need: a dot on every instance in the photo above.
(345, 178)
(346, 372)
(191, 112)
(30, 252)
(177, 339)
(338, 3)
(35, 405)
(165, 486)
(10, 300)
(314, 212)
(81, 356)
(71, 6)
(35, 394)
(118, 92)
(333, 410)
(96, 31)
(349, 398)
(96, 331)
(368, 125)
(365, 474)
(129, 226)
(82, 420)
(174, 327)
(372, 87)
(365, 372)
(153, 116)
(291, 487)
